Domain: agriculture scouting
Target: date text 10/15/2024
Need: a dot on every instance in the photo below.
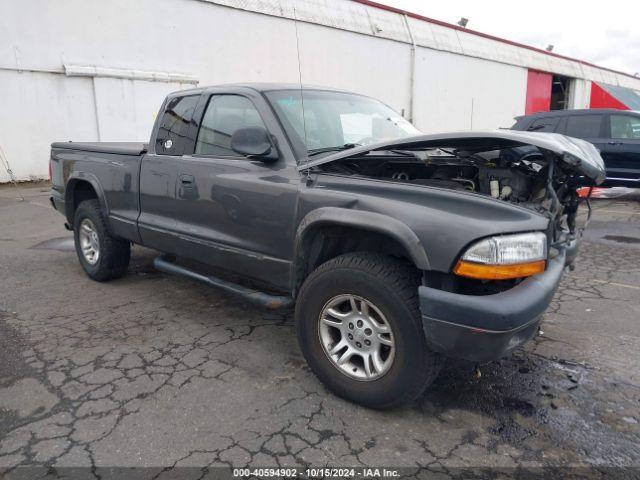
(320, 472)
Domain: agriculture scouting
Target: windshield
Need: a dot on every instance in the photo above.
(335, 120)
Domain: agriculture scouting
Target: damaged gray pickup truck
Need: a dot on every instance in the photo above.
(397, 248)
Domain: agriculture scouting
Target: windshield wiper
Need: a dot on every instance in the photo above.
(404, 153)
(338, 148)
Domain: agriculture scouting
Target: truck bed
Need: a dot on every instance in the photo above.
(111, 169)
(122, 148)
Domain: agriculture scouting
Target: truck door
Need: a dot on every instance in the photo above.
(621, 152)
(236, 213)
(159, 174)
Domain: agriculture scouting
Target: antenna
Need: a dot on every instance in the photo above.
(304, 120)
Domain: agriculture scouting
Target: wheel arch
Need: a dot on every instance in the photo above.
(390, 233)
(82, 186)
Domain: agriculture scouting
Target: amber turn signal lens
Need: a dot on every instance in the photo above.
(483, 271)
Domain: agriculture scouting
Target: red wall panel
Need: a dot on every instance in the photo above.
(600, 98)
(538, 92)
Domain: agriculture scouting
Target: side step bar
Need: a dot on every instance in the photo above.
(260, 298)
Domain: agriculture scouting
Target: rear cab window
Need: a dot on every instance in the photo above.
(174, 124)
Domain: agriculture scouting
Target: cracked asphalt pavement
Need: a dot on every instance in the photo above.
(160, 372)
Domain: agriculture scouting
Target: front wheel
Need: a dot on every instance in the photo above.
(102, 256)
(360, 330)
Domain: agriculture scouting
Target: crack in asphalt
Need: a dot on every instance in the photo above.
(158, 372)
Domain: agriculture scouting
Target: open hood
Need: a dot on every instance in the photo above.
(581, 156)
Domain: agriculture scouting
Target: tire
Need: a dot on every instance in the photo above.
(390, 289)
(114, 253)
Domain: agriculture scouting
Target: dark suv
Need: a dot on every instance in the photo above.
(616, 133)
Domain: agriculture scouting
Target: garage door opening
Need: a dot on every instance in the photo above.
(546, 91)
(559, 92)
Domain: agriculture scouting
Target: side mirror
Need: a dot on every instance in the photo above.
(253, 142)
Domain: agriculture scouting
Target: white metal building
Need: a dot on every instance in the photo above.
(92, 70)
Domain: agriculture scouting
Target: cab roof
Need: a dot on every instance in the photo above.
(258, 87)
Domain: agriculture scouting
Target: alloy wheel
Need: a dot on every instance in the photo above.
(356, 337)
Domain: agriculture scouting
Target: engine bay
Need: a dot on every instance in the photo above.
(524, 175)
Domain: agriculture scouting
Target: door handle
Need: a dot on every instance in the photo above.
(614, 143)
(187, 180)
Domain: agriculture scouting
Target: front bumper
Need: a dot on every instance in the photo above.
(485, 328)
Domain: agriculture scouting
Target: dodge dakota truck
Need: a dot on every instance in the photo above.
(397, 248)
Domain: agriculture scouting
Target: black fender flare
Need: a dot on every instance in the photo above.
(91, 179)
(375, 222)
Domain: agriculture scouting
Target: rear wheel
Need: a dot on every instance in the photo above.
(102, 255)
(360, 329)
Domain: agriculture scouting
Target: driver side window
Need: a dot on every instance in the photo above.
(625, 126)
(223, 116)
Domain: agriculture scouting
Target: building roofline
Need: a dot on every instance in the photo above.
(485, 35)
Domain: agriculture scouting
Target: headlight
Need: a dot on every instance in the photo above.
(507, 256)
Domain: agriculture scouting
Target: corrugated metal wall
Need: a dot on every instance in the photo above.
(145, 48)
(454, 92)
